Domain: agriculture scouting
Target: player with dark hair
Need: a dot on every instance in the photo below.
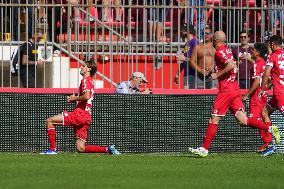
(228, 97)
(80, 118)
(275, 70)
(257, 103)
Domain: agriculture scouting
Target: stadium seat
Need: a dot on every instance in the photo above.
(83, 17)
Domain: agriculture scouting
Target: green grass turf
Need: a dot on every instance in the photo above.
(72, 170)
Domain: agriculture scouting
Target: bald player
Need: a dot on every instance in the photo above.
(202, 60)
(228, 97)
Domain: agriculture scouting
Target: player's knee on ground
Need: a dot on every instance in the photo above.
(48, 122)
(80, 146)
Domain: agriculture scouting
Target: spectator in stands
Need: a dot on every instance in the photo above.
(156, 17)
(276, 15)
(184, 57)
(200, 16)
(202, 61)
(243, 65)
(16, 15)
(29, 60)
(107, 11)
(80, 118)
(54, 15)
(266, 38)
(132, 86)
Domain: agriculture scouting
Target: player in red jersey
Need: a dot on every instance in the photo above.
(80, 118)
(275, 70)
(257, 103)
(228, 97)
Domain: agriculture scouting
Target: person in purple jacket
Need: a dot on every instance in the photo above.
(184, 57)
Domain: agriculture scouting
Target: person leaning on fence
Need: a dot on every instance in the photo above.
(184, 57)
(202, 61)
(29, 60)
(80, 118)
(132, 86)
(228, 97)
(238, 52)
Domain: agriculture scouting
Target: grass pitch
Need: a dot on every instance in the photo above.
(72, 170)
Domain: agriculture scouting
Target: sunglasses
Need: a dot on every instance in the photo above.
(243, 37)
(208, 33)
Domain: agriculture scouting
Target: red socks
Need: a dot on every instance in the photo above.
(255, 123)
(265, 135)
(95, 149)
(52, 138)
(209, 135)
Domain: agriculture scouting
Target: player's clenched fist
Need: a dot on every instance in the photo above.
(71, 98)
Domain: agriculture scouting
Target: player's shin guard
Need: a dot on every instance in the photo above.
(95, 149)
(209, 135)
(51, 132)
(255, 123)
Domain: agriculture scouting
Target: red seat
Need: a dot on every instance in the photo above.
(83, 17)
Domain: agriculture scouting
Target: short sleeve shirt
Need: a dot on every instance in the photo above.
(227, 82)
(276, 61)
(257, 70)
(87, 84)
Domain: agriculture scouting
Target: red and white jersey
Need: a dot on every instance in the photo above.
(276, 61)
(87, 84)
(222, 56)
(257, 70)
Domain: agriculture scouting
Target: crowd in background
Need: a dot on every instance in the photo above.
(244, 21)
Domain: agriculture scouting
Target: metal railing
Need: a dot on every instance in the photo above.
(125, 42)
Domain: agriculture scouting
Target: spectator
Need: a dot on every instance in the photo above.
(80, 118)
(184, 57)
(29, 60)
(107, 10)
(16, 15)
(243, 65)
(276, 16)
(54, 15)
(200, 16)
(202, 61)
(156, 17)
(132, 86)
(256, 103)
(266, 38)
